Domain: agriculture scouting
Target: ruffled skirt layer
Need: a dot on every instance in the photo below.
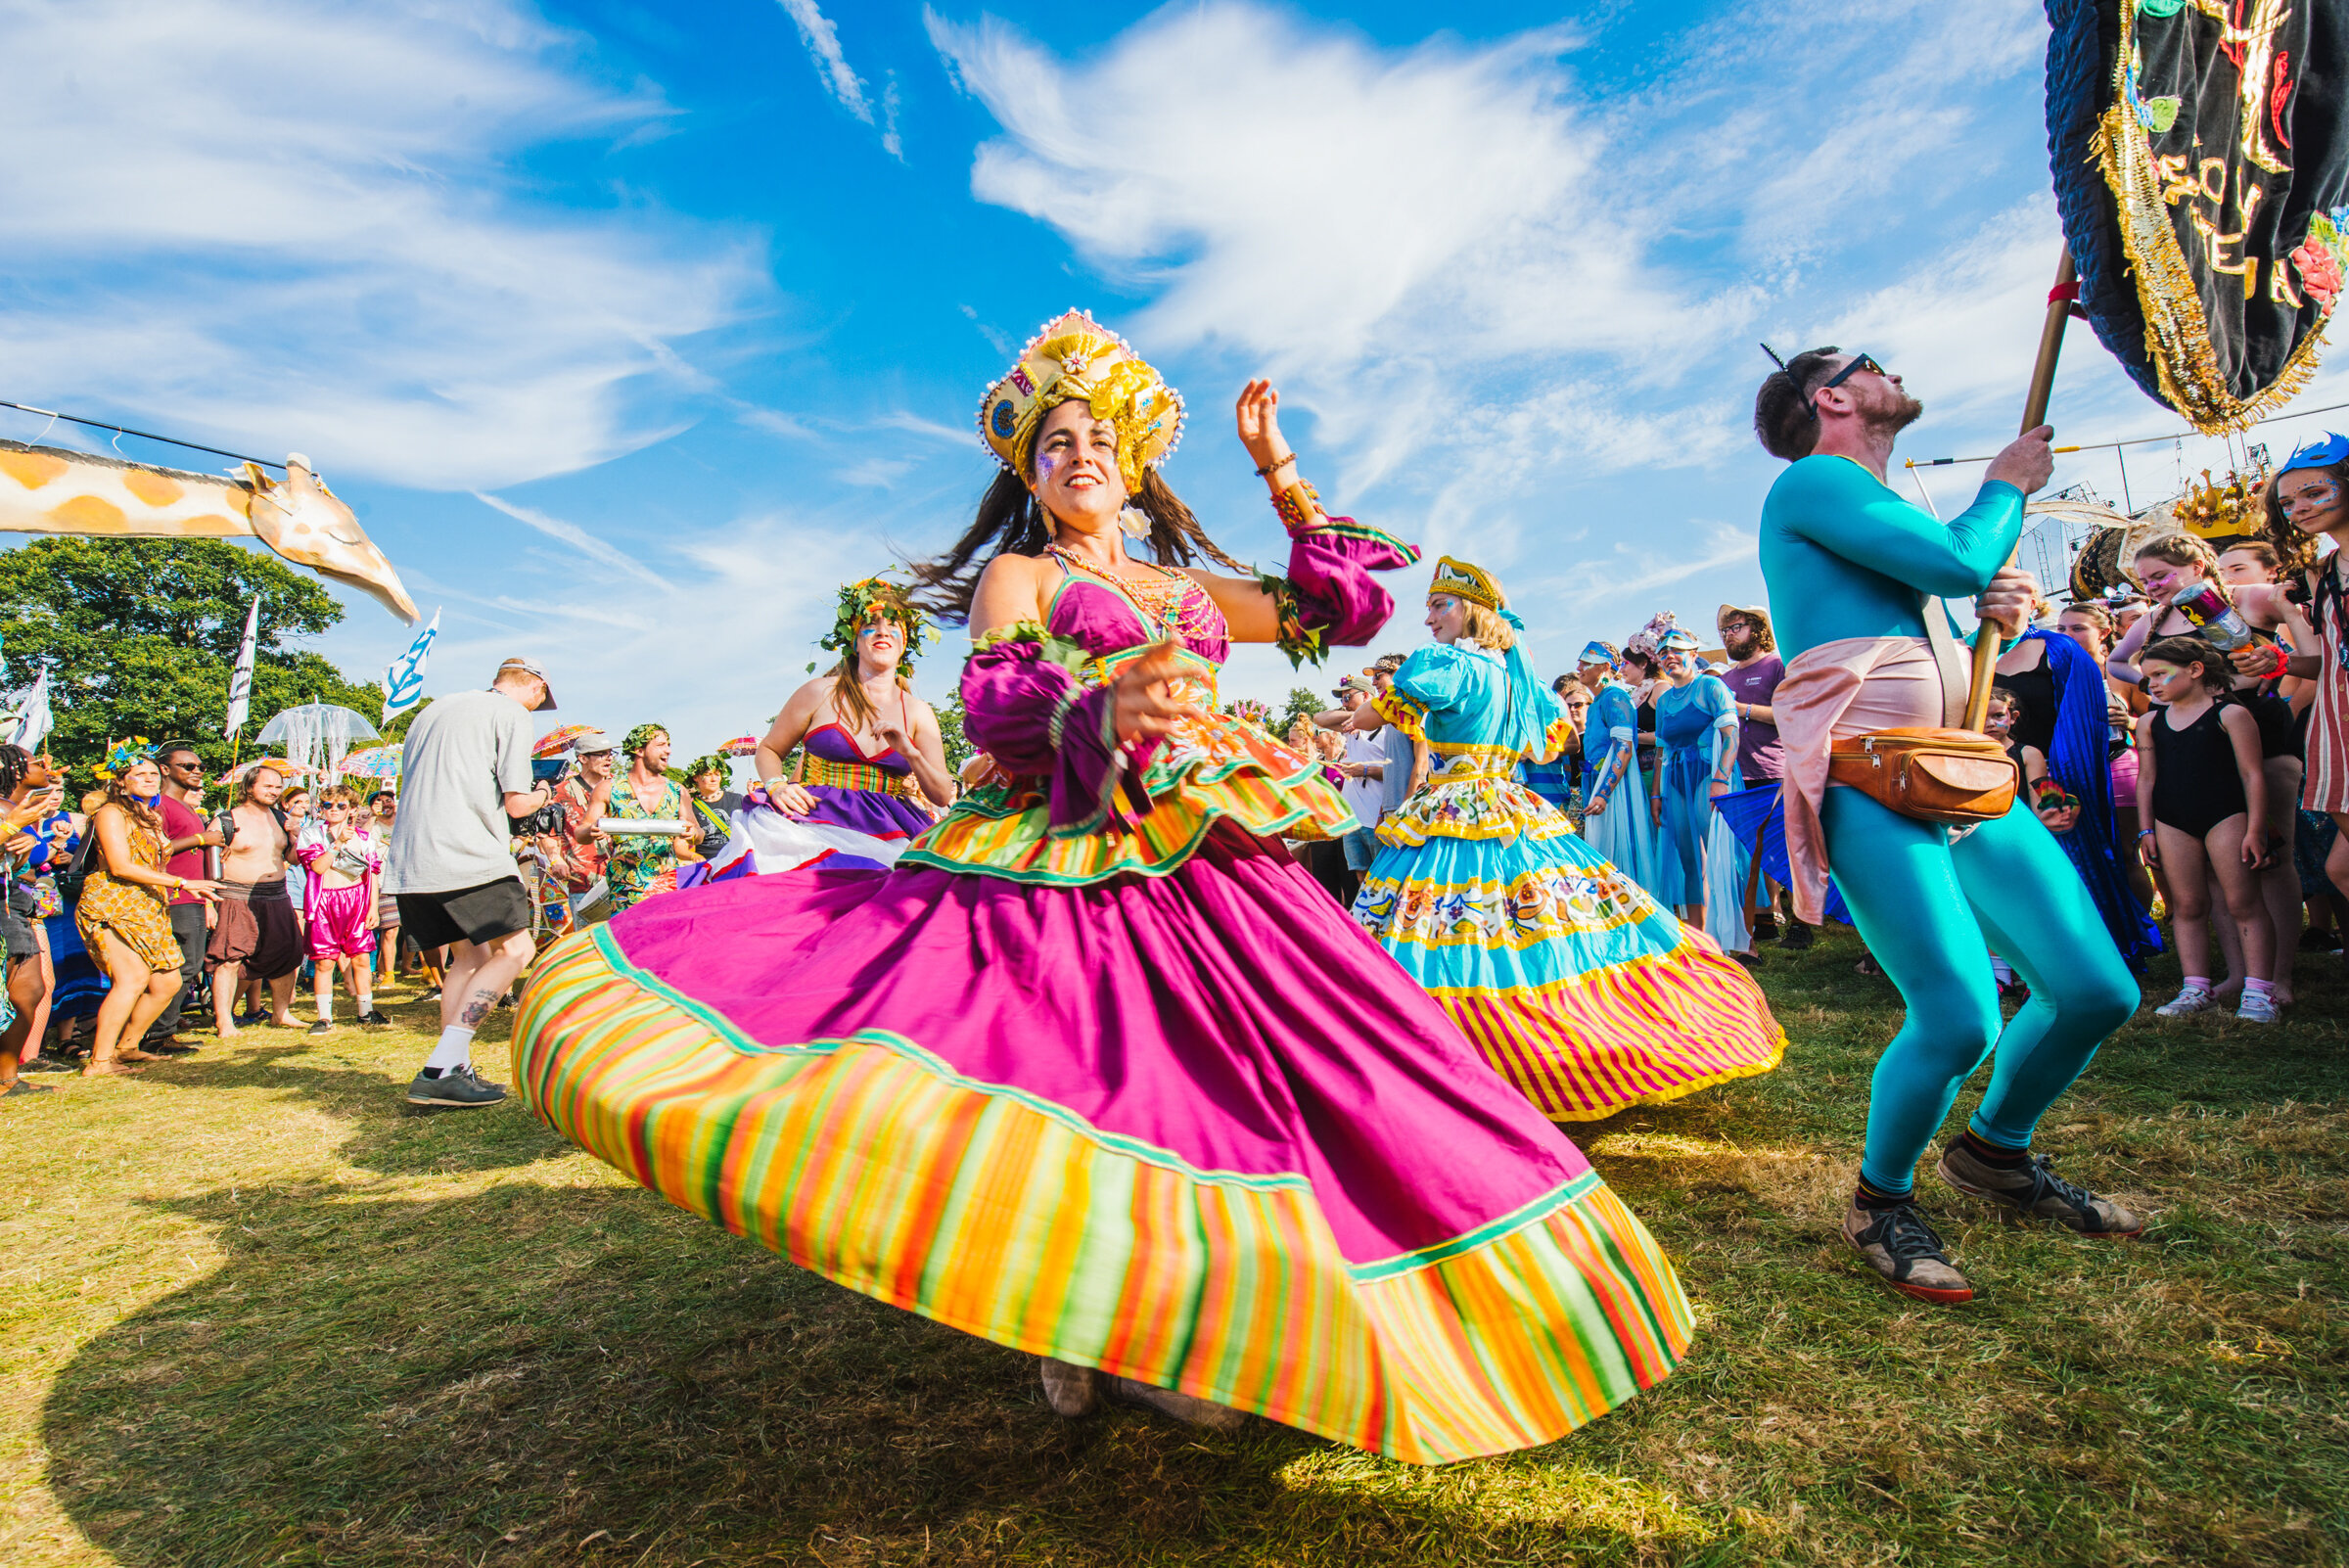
(1190, 1127)
(1579, 988)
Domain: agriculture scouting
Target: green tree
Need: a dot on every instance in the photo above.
(1302, 704)
(951, 738)
(141, 635)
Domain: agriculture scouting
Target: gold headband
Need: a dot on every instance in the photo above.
(1076, 357)
(1464, 581)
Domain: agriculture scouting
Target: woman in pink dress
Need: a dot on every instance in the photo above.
(1095, 1071)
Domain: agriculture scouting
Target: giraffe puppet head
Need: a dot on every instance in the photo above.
(303, 521)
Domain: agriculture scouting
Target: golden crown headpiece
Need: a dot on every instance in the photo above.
(1076, 357)
(2222, 509)
(1464, 581)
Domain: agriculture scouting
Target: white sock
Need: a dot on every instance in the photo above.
(454, 1050)
(326, 1007)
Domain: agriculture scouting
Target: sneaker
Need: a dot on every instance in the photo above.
(2036, 1191)
(1766, 928)
(46, 1064)
(2315, 939)
(322, 1027)
(2256, 1008)
(375, 1015)
(1900, 1245)
(1183, 1407)
(1746, 960)
(430, 993)
(1072, 1391)
(2192, 1000)
(459, 1086)
(20, 1087)
(1798, 937)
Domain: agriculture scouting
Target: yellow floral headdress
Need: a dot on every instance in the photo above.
(1464, 581)
(1072, 358)
(120, 756)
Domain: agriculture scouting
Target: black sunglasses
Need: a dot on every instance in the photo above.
(1857, 363)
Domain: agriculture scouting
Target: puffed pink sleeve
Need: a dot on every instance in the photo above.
(1024, 706)
(309, 850)
(1328, 596)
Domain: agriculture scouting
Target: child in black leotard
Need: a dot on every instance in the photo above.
(2201, 784)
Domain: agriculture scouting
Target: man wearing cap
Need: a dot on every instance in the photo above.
(465, 774)
(586, 801)
(1365, 771)
(1754, 672)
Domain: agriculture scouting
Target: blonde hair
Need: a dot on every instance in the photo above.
(1485, 629)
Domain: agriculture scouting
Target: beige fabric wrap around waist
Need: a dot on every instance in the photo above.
(1845, 688)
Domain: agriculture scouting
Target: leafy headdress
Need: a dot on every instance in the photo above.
(878, 599)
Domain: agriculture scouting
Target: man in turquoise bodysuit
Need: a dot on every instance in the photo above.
(1854, 570)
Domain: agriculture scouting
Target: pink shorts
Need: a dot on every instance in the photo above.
(341, 922)
(2124, 781)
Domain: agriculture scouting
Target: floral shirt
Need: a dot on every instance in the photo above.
(580, 863)
(640, 866)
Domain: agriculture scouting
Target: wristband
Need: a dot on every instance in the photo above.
(2146, 833)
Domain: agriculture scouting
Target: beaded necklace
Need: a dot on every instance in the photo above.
(1175, 604)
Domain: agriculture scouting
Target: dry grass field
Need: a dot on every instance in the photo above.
(257, 1312)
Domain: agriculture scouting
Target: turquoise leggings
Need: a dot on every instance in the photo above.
(1927, 909)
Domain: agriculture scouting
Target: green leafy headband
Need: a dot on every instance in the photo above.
(715, 763)
(878, 599)
(641, 736)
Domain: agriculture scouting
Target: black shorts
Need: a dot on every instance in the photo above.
(480, 914)
(2279, 729)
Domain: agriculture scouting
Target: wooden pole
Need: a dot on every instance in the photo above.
(2035, 414)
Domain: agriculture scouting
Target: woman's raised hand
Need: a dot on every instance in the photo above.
(208, 891)
(1259, 427)
(1146, 706)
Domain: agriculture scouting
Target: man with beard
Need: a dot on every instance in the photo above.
(1855, 573)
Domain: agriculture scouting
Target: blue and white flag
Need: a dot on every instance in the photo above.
(403, 682)
(240, 683)
(25, 716)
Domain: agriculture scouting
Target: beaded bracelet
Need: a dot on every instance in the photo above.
(1268, 469)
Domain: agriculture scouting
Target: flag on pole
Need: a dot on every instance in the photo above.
(25, 716)
(240, 684)
(403, 681)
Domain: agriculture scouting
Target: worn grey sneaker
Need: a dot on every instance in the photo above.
(2256, 1008)
(1183, 1407)
(1900, 1245)
(2035, 1189)
(1071, 1389)
(459, 1086)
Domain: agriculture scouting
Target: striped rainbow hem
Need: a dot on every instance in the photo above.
(1639, 1032)
(869, 1162)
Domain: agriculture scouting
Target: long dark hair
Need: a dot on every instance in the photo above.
(1012, 522)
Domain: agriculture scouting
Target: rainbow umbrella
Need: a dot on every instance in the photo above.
(376, 761)
(559, 739)
(739, 746)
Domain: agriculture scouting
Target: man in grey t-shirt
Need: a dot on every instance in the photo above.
(465, 770)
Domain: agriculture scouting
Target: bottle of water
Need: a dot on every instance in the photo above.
(2218, 622)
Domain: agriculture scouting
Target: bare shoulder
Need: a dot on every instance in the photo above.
(1010, 590)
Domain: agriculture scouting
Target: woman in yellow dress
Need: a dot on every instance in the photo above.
(124, 915)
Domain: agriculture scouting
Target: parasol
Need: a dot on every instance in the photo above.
(559, 739)
(284, 766)
(376, 761)
(316, 735)
(739, 745)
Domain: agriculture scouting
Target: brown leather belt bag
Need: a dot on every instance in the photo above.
(1935, 775)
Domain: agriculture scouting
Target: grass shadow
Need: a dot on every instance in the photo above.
(537, 1374)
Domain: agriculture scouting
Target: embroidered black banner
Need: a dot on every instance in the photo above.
(2201, 166)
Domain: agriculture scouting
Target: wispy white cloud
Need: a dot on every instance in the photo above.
(840, 79)
(292, 224)
(578, 538)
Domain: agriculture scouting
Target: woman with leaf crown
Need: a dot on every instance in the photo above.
(1580, 987)
(871, 775)
(1096, 1071)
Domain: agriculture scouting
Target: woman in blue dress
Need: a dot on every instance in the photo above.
(1578, 987)
(1615, 819)
(1696, 739)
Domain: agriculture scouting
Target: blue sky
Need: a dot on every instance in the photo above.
(632, 331)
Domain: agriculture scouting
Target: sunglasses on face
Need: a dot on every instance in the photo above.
(1858, 363)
